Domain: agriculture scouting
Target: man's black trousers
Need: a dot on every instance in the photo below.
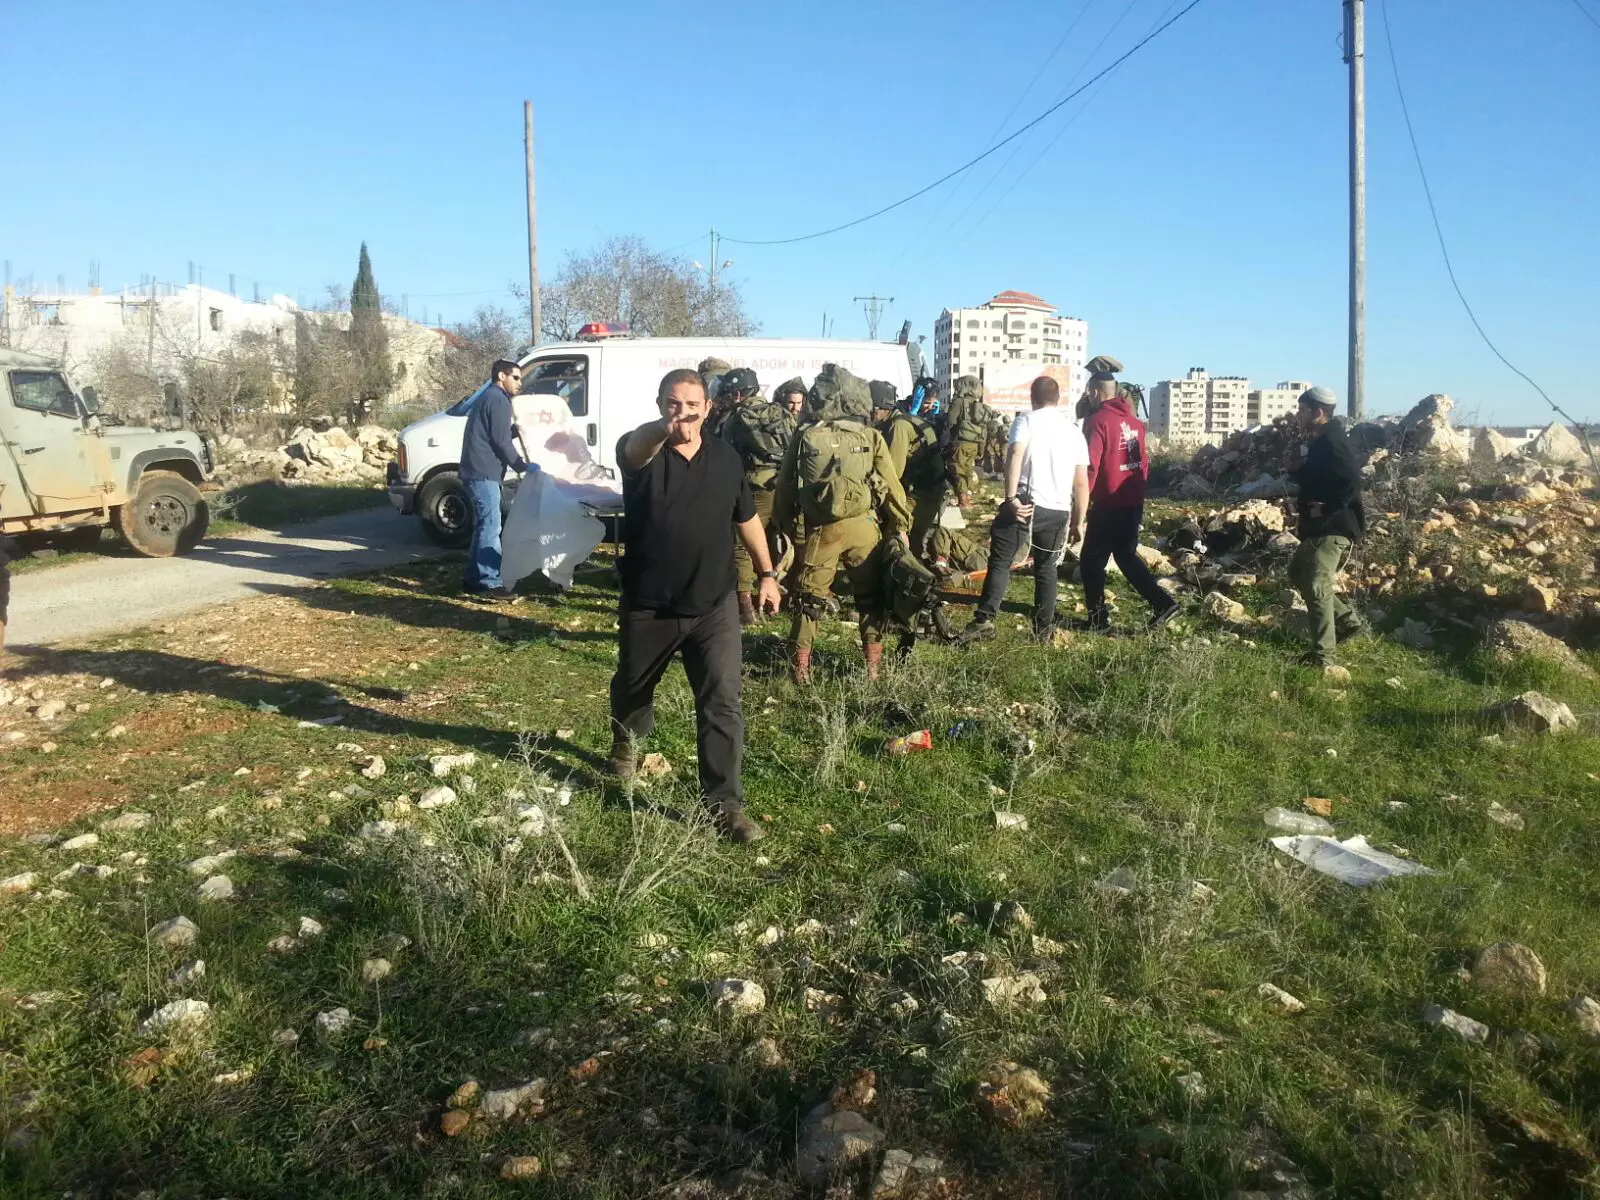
(1114, 533)
(712, 656)
(1007, 537)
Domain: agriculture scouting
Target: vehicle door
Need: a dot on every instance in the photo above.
(45, 434)
(555, 415)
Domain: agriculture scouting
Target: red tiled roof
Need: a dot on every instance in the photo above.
(1008, 298)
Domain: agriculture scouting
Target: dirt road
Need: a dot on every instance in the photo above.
(113, 593)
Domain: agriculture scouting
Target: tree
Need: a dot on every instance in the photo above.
(470, 348)
(656, 293)
(369, 343)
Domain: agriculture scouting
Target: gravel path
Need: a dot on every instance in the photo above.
(112, 594)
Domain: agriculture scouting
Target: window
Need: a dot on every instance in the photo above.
(1033, 341)
(564, 377)
(43, 391)
(974, 325)
(216, 320)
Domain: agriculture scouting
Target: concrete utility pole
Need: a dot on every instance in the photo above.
(873, 307)
(1355, 53)
(533, 224)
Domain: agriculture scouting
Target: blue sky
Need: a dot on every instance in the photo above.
(1193, 211)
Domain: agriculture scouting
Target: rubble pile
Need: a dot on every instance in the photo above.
(1252, 462)
(311, 455)
(1513, 560)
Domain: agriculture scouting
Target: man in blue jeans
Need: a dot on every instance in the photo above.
(487, 452)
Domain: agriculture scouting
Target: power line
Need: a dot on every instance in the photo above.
(1593, 20)
(1060, 133)
(972, 162)
(999, 126)
(1438, 229)
(1017, 149)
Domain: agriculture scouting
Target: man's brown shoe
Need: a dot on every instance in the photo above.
(739, 829)
(624, 762)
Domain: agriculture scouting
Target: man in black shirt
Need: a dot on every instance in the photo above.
(1332, 519)
(684, 498)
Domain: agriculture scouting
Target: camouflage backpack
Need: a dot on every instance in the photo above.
(760, 432)
(969, 415)
(925, 461)
(835, 466)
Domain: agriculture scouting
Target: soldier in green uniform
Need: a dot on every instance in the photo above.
(967, 423)
(839, 478)
(914, 448)
(760, 432)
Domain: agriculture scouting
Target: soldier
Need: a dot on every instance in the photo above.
(1332, 519)
(883, 401)
(711, 372)
(839, 477)
(967, 425)
(760, 432)
(914, 448)
(791, 394)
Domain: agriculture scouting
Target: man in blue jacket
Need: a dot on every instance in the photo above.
(487, 452)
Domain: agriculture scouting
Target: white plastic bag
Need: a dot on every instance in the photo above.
(1351, 861)
(546, 530)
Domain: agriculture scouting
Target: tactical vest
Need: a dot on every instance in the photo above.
(924, 469)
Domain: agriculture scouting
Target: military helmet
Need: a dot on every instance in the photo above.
(740, 379)
(883, 394)
(836, 394)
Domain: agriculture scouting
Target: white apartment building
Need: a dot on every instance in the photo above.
(1179, 407)
(1266, 405)
(1227, 404)
(1202, 407)
(1013, 327)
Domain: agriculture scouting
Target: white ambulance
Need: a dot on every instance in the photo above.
(579, 398)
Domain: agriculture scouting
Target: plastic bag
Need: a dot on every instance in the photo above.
(546, 530)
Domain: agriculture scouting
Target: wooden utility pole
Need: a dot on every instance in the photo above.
(1355, 53)
(533, 224)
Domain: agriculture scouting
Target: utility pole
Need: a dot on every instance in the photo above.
(872, 306)
(1355, 53)
(533, 224)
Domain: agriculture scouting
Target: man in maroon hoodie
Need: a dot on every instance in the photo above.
(1118, 467)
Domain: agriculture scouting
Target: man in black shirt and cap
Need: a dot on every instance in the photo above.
(685, 498)
(1332, 519)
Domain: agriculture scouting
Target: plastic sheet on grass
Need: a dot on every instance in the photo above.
(546, 530)
(1351, 861)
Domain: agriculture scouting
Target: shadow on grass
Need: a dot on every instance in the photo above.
(277, 505)
(410, 600)
(157, 672)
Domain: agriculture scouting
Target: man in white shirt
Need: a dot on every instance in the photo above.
(1047, 484)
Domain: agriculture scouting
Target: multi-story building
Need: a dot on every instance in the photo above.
(1179, 407)
(1266, 405)
(1014, 327)
(1227, 404)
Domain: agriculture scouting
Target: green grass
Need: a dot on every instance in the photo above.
(1158, 756)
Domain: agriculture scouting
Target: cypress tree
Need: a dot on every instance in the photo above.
(369, 341)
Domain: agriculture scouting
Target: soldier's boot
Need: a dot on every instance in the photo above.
(874, 653)
(801, 665)
(747, 609)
